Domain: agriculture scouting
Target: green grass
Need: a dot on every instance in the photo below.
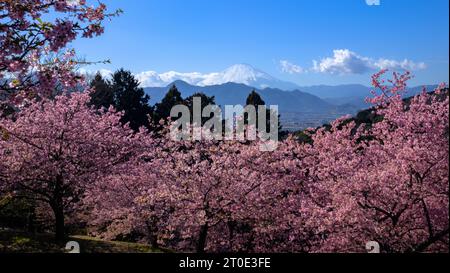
(22, 242)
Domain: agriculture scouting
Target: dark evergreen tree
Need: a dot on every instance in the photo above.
(131, 99)
(102, 94)
(172, 98)
(255, 99)
(205, 101)
(124, 94)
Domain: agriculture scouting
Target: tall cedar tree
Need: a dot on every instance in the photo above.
(255, 99)
(205, 101)
(102, 94)
(172, 98)
(124, 93)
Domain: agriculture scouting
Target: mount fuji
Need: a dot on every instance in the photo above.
(239, 73)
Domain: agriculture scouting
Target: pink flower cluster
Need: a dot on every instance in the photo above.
(28, 42)
(60, 35)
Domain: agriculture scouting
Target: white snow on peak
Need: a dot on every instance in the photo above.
(244, 73)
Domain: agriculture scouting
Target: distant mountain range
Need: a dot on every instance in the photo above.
(298, 109)
(236, 93)
(299, 106)
(352, 94)
(347, 98)
(232, 86)
(306, 107)
(247, 77)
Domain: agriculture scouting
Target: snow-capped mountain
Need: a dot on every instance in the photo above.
(239, 73)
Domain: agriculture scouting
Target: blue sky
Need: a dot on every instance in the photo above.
(210, 35)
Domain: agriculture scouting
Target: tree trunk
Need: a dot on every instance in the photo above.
(202, 239)
(153, 240)
(31, 227)
(424, 245)
(231, 227)
(152, 231)
(58, 209)
(59, 223)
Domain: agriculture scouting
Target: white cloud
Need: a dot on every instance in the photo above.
(345, 61)
(73, 2)
(155, 79)
(288, 67)
(239, 73)
(399, 65)
(149, 78)
(104, 72)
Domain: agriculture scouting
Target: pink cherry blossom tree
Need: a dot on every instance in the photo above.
(211, 196)
(384, 182)
(32, 60)
(55, 148)
(388, 181)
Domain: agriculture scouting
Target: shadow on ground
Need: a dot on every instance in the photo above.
(12, 241)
